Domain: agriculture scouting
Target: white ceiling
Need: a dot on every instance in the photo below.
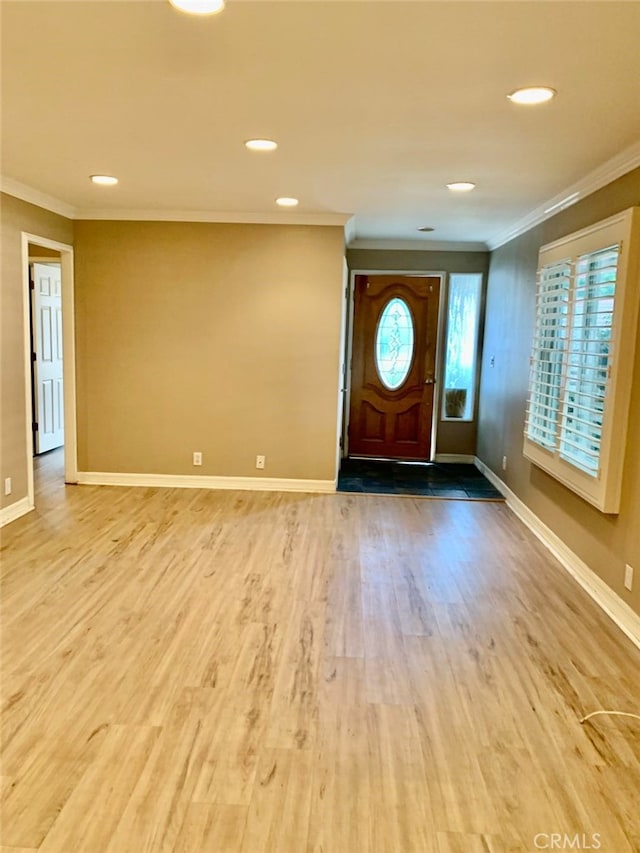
(375, 105)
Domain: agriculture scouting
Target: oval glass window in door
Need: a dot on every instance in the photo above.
(394, 343)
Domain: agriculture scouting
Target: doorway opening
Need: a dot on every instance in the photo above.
(49, 347)
(47, 381)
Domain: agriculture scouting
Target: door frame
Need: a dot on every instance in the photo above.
(68, 358)
(349, 349)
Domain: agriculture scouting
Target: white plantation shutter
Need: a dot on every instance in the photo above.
(589, 359)
(588, 290)
(549, 344)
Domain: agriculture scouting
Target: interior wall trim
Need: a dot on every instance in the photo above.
(34, 196)
(613, 169)
(188, 481)
(417, 245)
(15, 510)
(604, 174)
(465, 458)
(616, 609)
(224, 217)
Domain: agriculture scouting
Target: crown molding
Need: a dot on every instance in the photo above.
(419, 245)
(33, 196)
(232, 217)
(56, 205)
(614, 168)
(350, 231)
(330, 1)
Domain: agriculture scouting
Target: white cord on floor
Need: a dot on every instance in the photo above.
(612, 713)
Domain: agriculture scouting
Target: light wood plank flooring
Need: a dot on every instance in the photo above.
(233, 671)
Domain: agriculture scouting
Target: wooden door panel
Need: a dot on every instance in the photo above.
(372, 425)
(407, 425)
(383, 421)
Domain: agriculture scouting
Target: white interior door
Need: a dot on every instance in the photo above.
(47, 362)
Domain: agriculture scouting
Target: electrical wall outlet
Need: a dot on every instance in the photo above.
(7, 486)
(260, 460)
(197, 457)
(628, 577)
(504, 463)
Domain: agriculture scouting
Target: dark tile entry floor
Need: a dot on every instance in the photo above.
(436, 480)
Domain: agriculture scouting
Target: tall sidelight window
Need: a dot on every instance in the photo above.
(582, 358)
(463, 319)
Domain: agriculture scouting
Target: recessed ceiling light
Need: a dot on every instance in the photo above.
(532, 95)
(104, 180)
(285, 201)
(261, 144)
(426, 228)
(461, 186)
(198, 7)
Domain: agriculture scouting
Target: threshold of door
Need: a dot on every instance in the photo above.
(424, 462)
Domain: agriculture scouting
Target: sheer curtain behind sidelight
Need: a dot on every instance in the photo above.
(463, 316)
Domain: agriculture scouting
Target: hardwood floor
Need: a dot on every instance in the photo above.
(233, 671)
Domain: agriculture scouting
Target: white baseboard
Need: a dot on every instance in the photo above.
(187, 481)
(15, 510)
(618, 610)
(455, 457)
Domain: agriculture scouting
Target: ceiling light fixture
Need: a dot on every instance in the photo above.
(532, 95)
(104, 180)
(461, 186)
(261, 144)
(198, 7)
(286, 201)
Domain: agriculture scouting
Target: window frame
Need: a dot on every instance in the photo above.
(603, 489)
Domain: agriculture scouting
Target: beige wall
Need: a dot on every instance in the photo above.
(451, 437)
(219, 338)
(42, 252)
(15, 217)
(604, 542)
